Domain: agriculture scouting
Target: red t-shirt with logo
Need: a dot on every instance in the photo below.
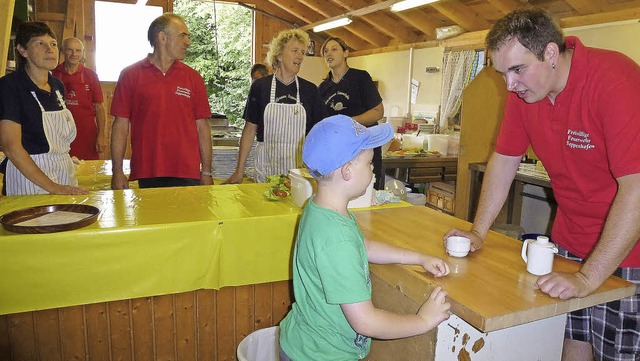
(587, 139)
(162, 109)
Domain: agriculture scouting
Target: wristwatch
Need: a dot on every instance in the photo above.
(208, 174)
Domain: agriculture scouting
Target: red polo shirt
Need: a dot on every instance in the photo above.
(587, 139)
(162, 109)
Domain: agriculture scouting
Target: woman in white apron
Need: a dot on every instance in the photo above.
(36, 128)
(280, 110)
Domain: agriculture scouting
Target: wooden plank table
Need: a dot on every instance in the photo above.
(494, 301)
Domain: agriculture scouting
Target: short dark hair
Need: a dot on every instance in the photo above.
(160, 24)
(533, 28)
(260, 68)
(26, 31)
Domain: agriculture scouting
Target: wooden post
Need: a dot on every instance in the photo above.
(482, 108)
(6, 18)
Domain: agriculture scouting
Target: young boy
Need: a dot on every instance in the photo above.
(333, 317)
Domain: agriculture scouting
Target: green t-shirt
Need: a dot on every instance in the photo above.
(330, 268)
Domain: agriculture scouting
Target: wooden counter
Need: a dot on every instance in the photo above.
(490, 289)
(151, 251)
(182, 273)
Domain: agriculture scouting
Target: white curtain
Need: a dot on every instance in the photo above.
(456, 74)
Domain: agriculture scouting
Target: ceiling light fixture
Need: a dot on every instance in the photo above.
(332, 24)
(408, 4)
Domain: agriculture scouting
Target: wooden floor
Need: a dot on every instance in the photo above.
(198, 325)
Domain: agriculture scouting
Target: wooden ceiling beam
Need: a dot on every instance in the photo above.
(383, 22)
(418, 19)
(298, 9)
(325, 8)
(42, 16)
(353, 41)
(390, 27)
(365, 9)
(505, 6)
(584, 7)
(367, 33)
(461, 15)
(602, 18)
(269, 9)
(310, 16)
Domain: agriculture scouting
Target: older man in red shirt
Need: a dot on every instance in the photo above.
(84, 98)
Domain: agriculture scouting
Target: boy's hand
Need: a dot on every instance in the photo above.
(435, 265)
(435, 309)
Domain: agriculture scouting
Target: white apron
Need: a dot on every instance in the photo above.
(284, 129)
(60, 131)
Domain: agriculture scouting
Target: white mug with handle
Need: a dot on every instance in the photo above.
(538, 255)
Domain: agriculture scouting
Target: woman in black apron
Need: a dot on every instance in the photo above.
(280, 110)
(36, 128)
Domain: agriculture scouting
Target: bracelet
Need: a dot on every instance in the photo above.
(208, 174)
(476, 232)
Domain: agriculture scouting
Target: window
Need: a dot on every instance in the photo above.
(121, 36)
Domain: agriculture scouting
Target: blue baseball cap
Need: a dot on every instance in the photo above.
(338, 139)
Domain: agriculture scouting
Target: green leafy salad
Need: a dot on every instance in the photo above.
(279, 188)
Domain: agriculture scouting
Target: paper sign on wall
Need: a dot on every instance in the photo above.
(415, 86)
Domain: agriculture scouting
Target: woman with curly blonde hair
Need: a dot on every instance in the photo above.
(280, 110)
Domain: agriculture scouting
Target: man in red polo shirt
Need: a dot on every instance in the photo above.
(84, 99)
(165, 104)
(579, 109)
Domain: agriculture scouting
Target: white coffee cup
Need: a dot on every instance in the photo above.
(458, 246)
(538, 255)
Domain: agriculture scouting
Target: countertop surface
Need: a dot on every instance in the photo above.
(490, 289)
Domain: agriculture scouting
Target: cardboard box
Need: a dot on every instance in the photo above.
(442, 196)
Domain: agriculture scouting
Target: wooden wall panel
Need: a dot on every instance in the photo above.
(265, 29)
(22, 337)
(6, 16)
(4, 339)
(282, 296)
(88, 36)
(263, 309)
(245, 302)
(120, 330)
(225, 318)
(46, 326)
(142, 332)
(206, 324)
(97, 332)
(72, 325)
(190, 326)
(163, 323)
(186, 329)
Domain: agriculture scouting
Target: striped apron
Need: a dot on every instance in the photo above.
(60, 130)
(284, 130)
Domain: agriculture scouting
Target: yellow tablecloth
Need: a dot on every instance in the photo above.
(148, 242)
(96, 175)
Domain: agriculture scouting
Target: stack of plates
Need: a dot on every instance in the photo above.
(225, 158)
(426, 128)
